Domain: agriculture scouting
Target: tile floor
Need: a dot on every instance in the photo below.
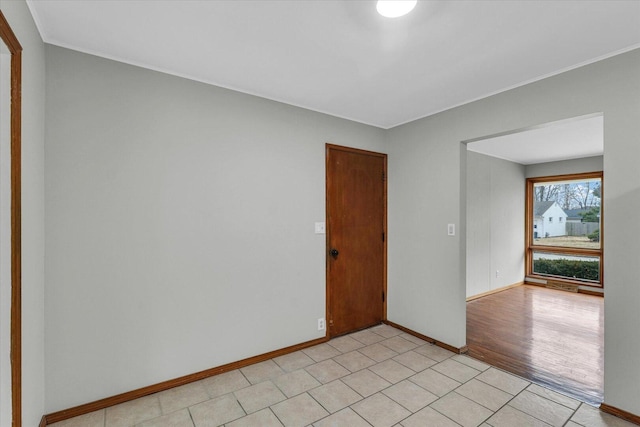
(377, 377)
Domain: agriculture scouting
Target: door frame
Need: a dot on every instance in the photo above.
(328, 148)
(15, 49)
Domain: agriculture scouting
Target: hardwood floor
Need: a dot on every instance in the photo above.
(551, 337)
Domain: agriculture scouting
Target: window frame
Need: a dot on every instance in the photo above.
(529, 223)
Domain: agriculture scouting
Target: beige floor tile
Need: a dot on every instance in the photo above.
(589, 416)
(365, 382)
(264, 418)
(367, 337)
(385, 331)
(259, 396)
(321, 352)
(179, 418)
(294, 361)
(296, 382)
(215, 412)
(552, 395)
(410, 396)
(344, 418)
(484, 394)
(354, 361)
(461, 410)
(392, 371)
(502, 380)
(508, 416)
(262, 371)
(413, 339)
(429, 417)
(380, 411)
(398, 374)
(434, 352)
(226, 383)
(335, 396)
(415, 361)
(434, 382)
(475, 364)
(134, 412)
(327, 371)
(299, 411)
(456, 370)
(543, 409)
(182, 397)
(399, 344)
(378, 352)
(345, 344)
(92, 419)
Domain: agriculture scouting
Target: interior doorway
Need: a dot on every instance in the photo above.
(356, 196)
(10, 225)
(498, 167)
(5, 237)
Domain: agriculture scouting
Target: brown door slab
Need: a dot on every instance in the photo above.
(356, 248)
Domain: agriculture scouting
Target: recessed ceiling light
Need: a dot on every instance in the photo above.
(395, 8)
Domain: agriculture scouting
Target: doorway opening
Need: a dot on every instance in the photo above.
(5, 237)
(504, 253)
(10, 224)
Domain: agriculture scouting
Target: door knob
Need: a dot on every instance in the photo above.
(334, 252)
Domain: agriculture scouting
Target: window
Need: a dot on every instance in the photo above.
(570, 249)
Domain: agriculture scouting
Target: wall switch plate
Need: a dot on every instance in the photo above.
(451, 229)
(321, 325)
(320, 227)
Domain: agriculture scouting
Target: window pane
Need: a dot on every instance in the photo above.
(578, 267)
(567, 213)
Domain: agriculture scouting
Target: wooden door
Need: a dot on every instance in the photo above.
(356, 248)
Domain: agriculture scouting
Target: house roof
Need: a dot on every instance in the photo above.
(541, 207)
(575, 213)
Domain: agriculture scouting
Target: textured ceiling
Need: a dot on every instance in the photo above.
(341, 57)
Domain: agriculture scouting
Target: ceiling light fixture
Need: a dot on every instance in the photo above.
(395, 8)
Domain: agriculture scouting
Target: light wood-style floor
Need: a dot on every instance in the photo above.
(551, 337)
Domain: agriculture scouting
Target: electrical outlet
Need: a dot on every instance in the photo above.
(497, 273)
(321, 324)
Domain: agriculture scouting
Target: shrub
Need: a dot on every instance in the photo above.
(595, 236)
(586, 270)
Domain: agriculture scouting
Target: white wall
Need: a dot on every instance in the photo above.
(495, 223)
(33, 79)
(565, 167)
(427, 190)
(180, 225)
(136, 255)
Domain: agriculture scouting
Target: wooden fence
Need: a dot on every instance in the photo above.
(581, 228)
